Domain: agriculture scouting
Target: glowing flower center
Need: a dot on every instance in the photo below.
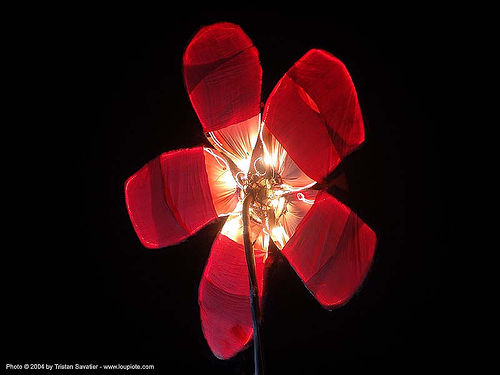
(265, 184)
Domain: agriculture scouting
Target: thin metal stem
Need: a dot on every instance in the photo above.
(252, 279)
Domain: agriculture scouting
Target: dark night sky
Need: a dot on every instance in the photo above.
(83, 288)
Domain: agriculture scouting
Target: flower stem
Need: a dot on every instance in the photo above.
(254, 293)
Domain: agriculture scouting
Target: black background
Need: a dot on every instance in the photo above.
(81, 288)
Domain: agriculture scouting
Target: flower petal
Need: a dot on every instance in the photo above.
(276, 156)
(237, 141)
(314, 113)
(223, 188)
(223, 76)
(292, 214)
(331, 251)
(224, 293)
(169, 199)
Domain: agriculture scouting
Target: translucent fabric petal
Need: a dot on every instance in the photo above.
(276, 156)
(224, 292)
(169, 199)
(331, 250)
(293, 212)
(314, 113)
(237, 141)
(223, 76)
(223, 188)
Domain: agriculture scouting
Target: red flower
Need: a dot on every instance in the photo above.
(311, 121)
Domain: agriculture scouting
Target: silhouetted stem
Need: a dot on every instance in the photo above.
(254, 292)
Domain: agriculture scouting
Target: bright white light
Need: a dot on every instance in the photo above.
(267, 157)
(228, 179)
(225, 177)
(233, 227)
(243, 164)
(280, 236)
(278, 204)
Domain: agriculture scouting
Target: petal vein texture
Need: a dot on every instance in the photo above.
(224, 297)
(169, 199)
(314, 113)
(331, 251)
(223, 76)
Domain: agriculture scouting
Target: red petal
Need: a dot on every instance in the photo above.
(292, 215)
(169, 198)
(224, 297)
(314, 113)
(221, 182)
(237, 141)
(276, 155)
(331, 251)
(223, 76)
